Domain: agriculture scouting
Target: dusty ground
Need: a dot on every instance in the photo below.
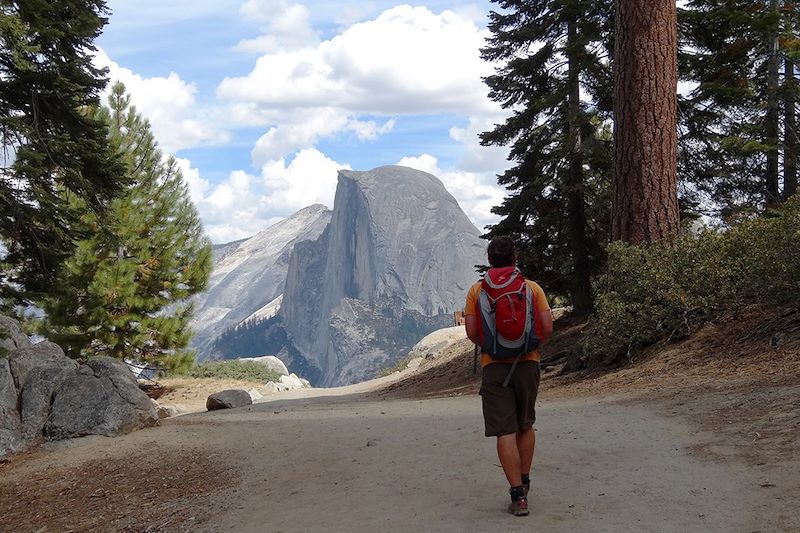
(700, 435)
(190, 394)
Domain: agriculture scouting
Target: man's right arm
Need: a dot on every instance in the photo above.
(471, 325)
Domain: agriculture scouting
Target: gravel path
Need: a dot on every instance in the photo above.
(350, 464)
(311, 465)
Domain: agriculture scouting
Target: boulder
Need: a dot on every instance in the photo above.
(432, 345)
(292, 382)
(228, 399)
(99, 398)
(11, 335)
(255, 395)
(271, 362)
(272, 387)
(44, 353)
(168, 411)
(37, 393)
(10, 426)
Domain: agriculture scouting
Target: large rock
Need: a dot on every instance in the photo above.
(10, 425)
(248, 277)
(44, 353)
(271, 362)
(36, 396)
(430, 346)
(99, 398)
(393, 265)
(228, 399)
(11, 335)
(286, 383)
(29, 375)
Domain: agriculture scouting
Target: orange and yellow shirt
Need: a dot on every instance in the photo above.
(539, 302)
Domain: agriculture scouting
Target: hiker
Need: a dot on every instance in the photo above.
(509, 339)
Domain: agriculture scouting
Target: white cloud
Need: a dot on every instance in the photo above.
(244, 204)
(306, 127)
(310, 178)
(407, 60)
(285, 26)
(197, 185)
(370, 130)
(478, 158)
(168, 103)
(476, 193)
(302, 130)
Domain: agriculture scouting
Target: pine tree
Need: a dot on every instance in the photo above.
(645, 205)
(124, 291)
(549, 51)
(738, 124)
(49, 143)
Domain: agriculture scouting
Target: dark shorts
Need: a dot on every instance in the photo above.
(509, 409)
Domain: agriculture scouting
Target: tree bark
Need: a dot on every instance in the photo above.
(576, 201)
(645, 205)
(790, 115)
(773, 117)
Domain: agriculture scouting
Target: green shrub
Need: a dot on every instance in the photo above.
(667, 290)
(233, 369)
(399, 366)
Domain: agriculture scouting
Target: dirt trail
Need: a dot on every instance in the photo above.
(351, 464)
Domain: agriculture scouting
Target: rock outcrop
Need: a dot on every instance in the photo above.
(271, 362)
(44, 394)
(286, 383)
(99, 398)
(433, 344)
(393, 265)
(248, 277)
(228, 399)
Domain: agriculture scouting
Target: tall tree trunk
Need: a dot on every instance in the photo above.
(645, 205)
(579, 242)
(773, 116)
(790, 116)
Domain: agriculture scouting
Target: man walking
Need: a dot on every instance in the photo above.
(509, 317)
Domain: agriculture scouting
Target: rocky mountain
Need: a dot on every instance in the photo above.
(248, 276)
(393, 265)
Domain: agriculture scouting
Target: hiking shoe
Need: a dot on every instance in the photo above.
(525, 488)
(519, 507)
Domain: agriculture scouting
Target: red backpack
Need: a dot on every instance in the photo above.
(506, 308)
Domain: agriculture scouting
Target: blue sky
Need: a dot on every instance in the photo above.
(263, 101)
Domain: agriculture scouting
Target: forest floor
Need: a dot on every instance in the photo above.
(697, 435)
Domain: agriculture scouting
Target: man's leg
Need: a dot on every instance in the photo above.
(526, 443)
(509, 455)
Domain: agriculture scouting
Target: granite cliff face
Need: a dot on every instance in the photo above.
(393, 265)
(248, 276)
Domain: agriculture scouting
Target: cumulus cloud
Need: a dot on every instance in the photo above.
(191, 175)
(285, 26)
(310, 178)
(475, 192)
(478, 158)
(306, 127)
(244, 203)
(407, 60)
(169, 103)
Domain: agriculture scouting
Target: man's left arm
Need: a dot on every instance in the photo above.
(544, 322)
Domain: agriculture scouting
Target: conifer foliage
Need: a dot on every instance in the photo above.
(49, 144)
(554, 76)
(123, 291)
(739, 136)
